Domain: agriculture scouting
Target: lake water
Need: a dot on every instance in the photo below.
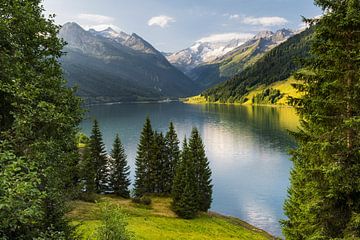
(247, 147)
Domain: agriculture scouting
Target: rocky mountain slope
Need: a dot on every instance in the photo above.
(110, 66)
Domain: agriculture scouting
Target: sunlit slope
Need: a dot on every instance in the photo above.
(159, 222)
(275, 66)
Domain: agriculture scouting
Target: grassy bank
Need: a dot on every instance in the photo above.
(284, 87)
(157, 221)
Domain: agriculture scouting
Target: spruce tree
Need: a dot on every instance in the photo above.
(172, 158)
(324, 197)
(119, 170)
(143, 158)
(158, 164)
(202, 170)
(99, 158)
(185, 190)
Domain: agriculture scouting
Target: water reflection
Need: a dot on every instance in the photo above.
(247, 147)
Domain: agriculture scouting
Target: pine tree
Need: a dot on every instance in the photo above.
(99, 158)
(143, 158)
(324, 197)
(172, 158)
(157, 166)
(185, 190)
(203, 171)
(119, 173)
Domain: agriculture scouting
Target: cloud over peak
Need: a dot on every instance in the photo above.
(161, 21)
(224, 37)
(95, 18)
(265, 21)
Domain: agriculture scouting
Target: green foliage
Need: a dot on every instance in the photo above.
(145, 200)
(143, 157)
(274, 66)
(20, 198)
(97, 160)
(172, 158)
(324, 199)
(39, 116)
(202, 171)
(268, 96)
(156, 159)
(192, 188)
(113, 223)
(119, 170)
(185, 197)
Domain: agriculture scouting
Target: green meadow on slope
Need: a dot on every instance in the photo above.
(157, 221)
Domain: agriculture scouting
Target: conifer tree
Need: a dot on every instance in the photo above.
(143, 158)
(157, 167)
(202, 170)
(324, 197)
(119, 170)
(99, 158)
(185, 190)
(172, 158)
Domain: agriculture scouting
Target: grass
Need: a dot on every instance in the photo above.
(159, 222)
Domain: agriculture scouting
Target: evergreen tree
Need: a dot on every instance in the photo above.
(203, 171)
(158, 164)
(185, 190)
(119, 173)
(143, 158)
(39, 116)
(99, 158)
(324, 197)
(172, 158)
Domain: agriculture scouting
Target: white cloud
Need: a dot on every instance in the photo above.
(95, 18)
(265, 21)
(234, 16)
(226, 37)
(161, 21)
(101, 27)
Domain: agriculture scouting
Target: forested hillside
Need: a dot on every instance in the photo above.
(276, 65)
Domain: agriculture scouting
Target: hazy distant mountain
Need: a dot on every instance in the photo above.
(236, 60)
(203, 52)
(115, 66)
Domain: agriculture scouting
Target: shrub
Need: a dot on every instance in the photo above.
(145, 200)
(113, 226)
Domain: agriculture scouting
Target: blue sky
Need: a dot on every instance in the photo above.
(172, 25)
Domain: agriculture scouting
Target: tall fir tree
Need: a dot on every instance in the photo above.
(202, 170)
(143, 158)
(158, 164)
(324, 197)
(184, 192)
(119, 170)
(39, 116)
(172, 158)
(99, 159)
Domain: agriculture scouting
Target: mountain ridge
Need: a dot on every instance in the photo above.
(108, 66)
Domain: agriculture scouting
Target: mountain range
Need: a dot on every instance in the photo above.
(208, 64)
(110, 66)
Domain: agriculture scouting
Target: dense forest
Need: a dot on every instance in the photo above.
(277, 65)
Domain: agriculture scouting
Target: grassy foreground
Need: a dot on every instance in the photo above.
(159, 222)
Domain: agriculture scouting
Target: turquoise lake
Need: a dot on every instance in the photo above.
(247, 147)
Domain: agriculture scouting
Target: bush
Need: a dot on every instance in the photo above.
(142, 200)
(113, 226)
(89, 197)
(146, 200)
